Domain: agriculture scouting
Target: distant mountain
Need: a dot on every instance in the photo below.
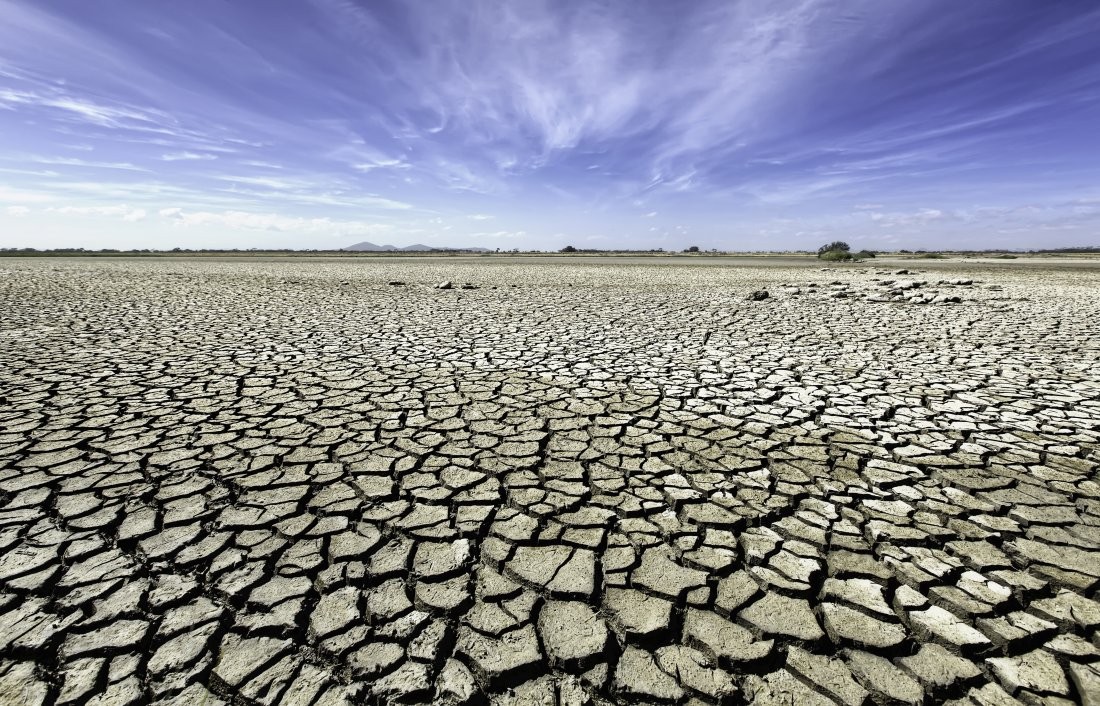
(371, 247)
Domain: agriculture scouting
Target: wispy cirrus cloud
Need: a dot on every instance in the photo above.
(252, 221)
(85, 163)
(188, 157)
(66, 106)
(126, 213)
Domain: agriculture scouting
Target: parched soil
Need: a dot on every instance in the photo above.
(568, 482)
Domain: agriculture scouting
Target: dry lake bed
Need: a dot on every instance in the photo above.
(559, 481)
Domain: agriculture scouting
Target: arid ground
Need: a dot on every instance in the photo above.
(307, 481)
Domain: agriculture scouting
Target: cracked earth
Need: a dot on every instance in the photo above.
(325, 483)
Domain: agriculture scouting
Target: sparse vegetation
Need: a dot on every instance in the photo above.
(693, 248)
(569, 248)
(837, 246)
(839, 251)
(1082, 250)
(835, 256)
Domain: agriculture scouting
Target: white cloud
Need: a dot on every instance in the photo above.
(106, 116)
(460, 177)
(324, 190)
(250, 221)
(126, 213)
(187, 157)
(380, 164)
(266, 182)
(922, 217)
(528, 80)
(381, 202)
(480, 217)
(75, 162)
(17, 210)
(84, 109)
(21, 196)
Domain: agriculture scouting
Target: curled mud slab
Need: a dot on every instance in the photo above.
(294, 482)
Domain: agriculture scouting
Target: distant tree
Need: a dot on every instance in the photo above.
(835, 256)
(569, 248)
(693, 248)
(835, 246)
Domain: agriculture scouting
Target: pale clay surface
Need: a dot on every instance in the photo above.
(293, 482)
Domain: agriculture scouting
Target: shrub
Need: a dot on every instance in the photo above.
(836, 256)
(864, 254)
(693, 248)
(569, 248)
(835, 246)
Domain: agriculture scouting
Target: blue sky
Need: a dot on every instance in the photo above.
(733, 124)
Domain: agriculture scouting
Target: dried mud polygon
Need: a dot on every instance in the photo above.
(293, 482)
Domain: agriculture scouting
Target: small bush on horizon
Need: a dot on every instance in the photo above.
(835, 246)
(836, 256)
(569, 248)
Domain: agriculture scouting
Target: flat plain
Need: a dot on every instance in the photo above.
(559, 481)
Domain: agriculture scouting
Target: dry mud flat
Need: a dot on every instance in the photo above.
(291, 482)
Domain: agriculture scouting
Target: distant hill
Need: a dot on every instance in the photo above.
(417, 247)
